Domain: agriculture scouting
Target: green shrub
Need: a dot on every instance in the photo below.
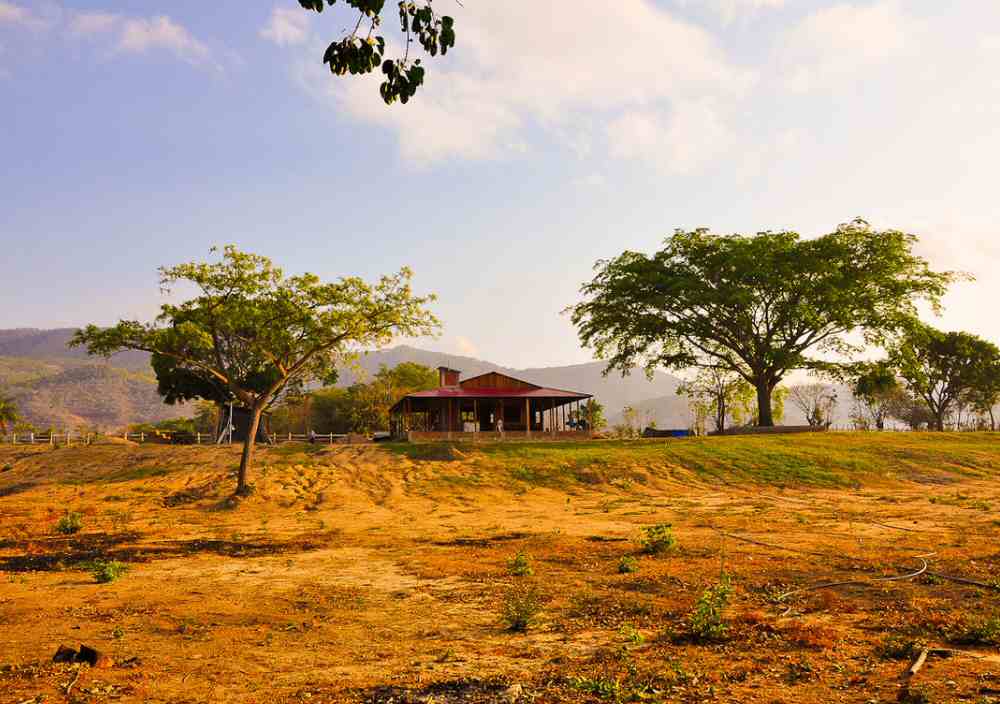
(981, 631)
(70, 523)
(106, 572)
(520, 565)
(628, 565)
(657, 539)
(897, 647)
(707, 620)
(520, 607)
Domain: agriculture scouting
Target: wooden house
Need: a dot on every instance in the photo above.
(489, 406)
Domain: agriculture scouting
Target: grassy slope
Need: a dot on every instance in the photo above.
(827, 459)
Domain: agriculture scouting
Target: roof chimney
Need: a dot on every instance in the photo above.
(448, 377)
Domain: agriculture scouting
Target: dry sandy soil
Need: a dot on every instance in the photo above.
(364, 574)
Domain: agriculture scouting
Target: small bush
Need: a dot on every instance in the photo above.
(602, 687)
(707, 621)
(657, 539)
(981, 631)
(520, 607)
(6, 467)
(631, 635)
(897, 647)
(520, 565)
(628, 565)
(106, 572)
(70, 523)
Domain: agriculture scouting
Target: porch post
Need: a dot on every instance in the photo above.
(449, 418)
(527, 417)
(475, 419)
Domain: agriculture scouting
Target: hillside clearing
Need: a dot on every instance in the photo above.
(378, 574)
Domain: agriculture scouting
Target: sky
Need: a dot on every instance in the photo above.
(555, 134)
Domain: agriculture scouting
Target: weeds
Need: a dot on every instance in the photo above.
(631, 635)
(107, 572)
(981, 631)
(897, 647)
(520, 565)
(628, 565)
(707, 621)
(658, 539)
(70, 523)
(521, 606)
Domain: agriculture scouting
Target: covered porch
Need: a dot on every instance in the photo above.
(478, 418)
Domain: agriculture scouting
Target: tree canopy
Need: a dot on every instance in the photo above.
(9, 413)
(251, 332)
(941, 368)
(363, 50)
(759, 306)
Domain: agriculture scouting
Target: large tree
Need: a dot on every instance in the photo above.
(363, 49)
(759, 306)
(941, 368)
(251, 322)
(877, 390)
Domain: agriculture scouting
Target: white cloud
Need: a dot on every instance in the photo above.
(679, 142)
(840, 42)
(464, 346)
(521, 65)
(732, 10)
(19, 15)
(287, 26)
(142, 35)
(93, 23)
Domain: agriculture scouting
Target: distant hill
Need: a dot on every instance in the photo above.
(614, 391)
(62, 387)
(32, 343)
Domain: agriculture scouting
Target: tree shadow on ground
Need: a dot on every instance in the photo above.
(58, 553)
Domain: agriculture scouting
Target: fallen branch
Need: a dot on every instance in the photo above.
(917, 663)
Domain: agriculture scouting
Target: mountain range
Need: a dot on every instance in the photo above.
(55, 386)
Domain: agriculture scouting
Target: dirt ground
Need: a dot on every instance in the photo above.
(359, 574)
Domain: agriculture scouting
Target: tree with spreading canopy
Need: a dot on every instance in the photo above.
(876, 388)
(363, 50)
(759, 306)
(252, 332)
(940, 368)
(817, 402)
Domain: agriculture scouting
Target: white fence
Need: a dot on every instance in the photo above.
(77, 438)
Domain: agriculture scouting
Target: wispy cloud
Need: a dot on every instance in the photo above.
(733, 10)
(93, 23)
(161, 32)
(118, 33)
(840, 42)
(11, 13)
(286, 27)
(521, 67)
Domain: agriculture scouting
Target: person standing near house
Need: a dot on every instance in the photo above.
(500, 426)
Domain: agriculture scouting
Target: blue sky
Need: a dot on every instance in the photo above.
(134, 135)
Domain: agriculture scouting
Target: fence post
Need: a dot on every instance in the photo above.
(52, 438)
(289, 436)
(331, 437)
(197, 440)
(32, 437)
(142, 436)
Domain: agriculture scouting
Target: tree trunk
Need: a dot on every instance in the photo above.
(939, 422)
(764, 417)
(993, 422)
(246, 461)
